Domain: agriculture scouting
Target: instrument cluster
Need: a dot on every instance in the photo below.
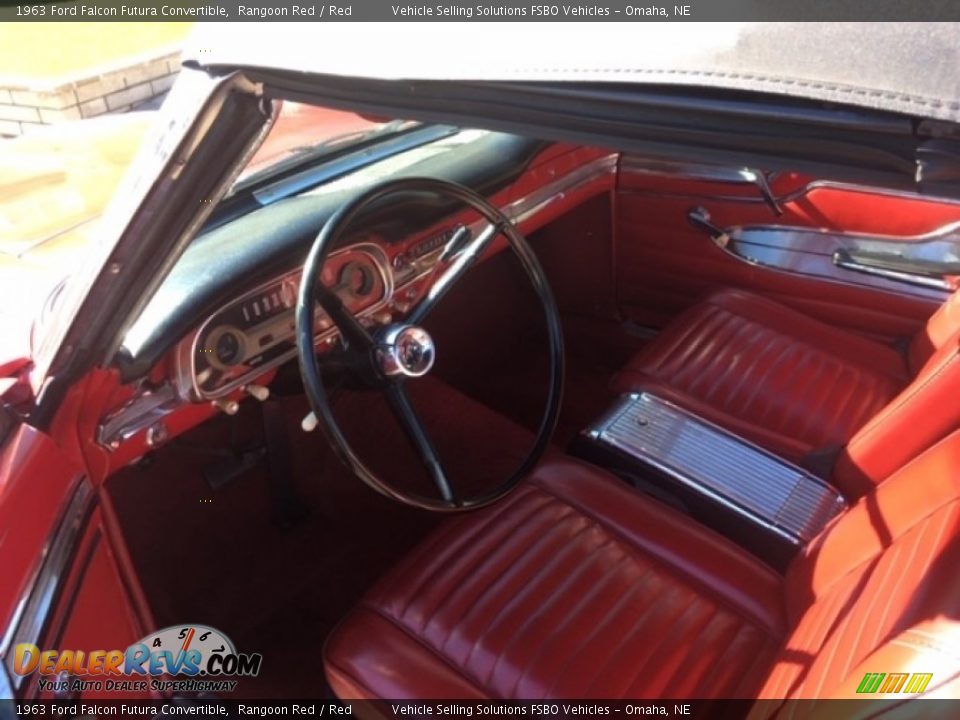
(257, 331)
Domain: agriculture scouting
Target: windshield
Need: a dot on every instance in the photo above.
(303, 131)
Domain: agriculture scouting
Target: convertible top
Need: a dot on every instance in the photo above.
(908, 68)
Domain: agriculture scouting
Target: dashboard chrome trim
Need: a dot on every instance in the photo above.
(185, 372)
(138, 414)
(525, 208)
(529, 206)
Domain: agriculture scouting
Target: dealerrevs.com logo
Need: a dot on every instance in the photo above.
(203, 655)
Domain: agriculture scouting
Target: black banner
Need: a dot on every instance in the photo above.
(893, 707)
(494, 11)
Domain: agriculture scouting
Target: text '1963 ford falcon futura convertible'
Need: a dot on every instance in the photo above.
(598, 370)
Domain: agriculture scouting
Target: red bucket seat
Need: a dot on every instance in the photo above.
(576, 586)
(796, 385)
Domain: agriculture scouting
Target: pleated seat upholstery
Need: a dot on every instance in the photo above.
(577, 586)
(797, 386)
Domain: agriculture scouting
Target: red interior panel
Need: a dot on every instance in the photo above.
(664, 264)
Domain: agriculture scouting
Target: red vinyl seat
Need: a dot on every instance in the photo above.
(795, 385)
(577, 586)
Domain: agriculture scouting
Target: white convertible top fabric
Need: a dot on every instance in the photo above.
(911, 68)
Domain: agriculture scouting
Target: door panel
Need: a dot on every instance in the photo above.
(664, 262)
(61, 589)
(93, 612)
(37, 483)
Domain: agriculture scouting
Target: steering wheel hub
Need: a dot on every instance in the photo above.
(405, 350)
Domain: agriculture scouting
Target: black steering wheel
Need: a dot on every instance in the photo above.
(389, 357)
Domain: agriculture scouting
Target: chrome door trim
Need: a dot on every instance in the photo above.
(32, 614)
(896, 275)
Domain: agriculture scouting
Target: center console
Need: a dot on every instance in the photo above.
(753, 497)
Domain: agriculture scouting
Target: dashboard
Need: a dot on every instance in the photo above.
(224, 318)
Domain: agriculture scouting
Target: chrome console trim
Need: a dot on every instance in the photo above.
(942, 284)
(733, 472)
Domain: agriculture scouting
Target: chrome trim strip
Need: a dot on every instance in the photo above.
(33, 610)
(139, 413)
(687, 170)
(888, 192)
(524, 208)
(904, 277)
(937, 234)
(811, 253)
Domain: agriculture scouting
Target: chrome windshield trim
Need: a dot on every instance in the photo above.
(195, 106)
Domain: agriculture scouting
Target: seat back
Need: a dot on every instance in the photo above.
(923, 413)
(879, 591)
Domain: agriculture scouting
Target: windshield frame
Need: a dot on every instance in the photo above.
(148, 224)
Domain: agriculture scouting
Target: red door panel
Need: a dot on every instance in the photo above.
(664, 264)
(94, 612)
(62, 588)
(36, 481)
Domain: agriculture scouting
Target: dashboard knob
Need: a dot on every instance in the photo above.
(227, 406)
(309, 423)
(259, 392)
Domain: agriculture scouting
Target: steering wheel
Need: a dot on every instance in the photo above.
(387, 358)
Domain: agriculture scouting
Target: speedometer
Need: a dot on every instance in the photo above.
(356, 280)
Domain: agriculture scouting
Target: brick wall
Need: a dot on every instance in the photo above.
(24, 105)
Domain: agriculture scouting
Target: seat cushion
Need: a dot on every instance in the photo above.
(768, 373)
(574, 586)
